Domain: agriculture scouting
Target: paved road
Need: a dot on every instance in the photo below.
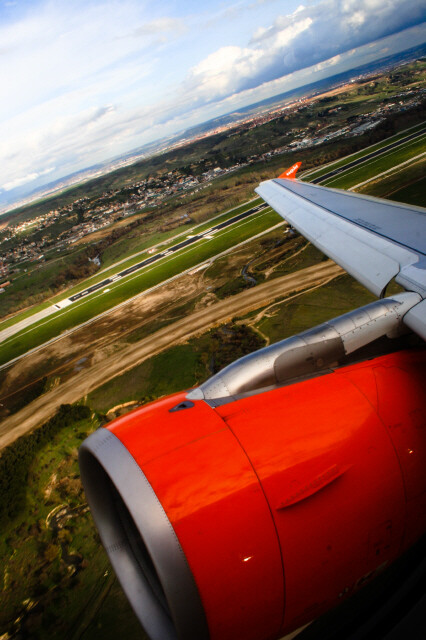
(24, 324)
(166, 252)
(101, 372)
(373, 154)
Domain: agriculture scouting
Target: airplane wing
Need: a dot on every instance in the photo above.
(374, 240)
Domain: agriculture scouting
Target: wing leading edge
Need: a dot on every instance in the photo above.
(374, 240)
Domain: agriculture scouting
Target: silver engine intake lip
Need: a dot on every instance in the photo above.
(140, 541)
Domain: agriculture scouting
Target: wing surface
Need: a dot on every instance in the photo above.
(374, 240)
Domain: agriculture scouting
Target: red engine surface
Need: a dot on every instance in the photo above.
(287, 501)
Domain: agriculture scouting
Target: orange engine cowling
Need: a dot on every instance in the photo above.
(248, 518)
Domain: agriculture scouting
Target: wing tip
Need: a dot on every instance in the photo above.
(291, 172)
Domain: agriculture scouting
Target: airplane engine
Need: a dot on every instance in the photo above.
(250, 515)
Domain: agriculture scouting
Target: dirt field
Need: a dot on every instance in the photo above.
(110, 365)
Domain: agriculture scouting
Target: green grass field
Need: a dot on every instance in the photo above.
(126, 249)
(405, 185)
(414, 193)
(170, 371)
(310, 309)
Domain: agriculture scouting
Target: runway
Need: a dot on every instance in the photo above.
(144, 263)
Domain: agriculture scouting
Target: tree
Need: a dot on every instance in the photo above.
(80, 213)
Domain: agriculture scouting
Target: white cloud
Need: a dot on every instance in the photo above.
(357, 19)
(231, 69)
(286, 35)
(314, 34)
(161, 25)
(217, 73)
(30, 177)
(331, 62)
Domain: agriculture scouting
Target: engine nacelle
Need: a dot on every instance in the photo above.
(248, 518)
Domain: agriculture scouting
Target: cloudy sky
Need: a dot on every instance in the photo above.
(85, 80)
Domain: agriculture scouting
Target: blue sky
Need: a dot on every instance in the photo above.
(83, 81)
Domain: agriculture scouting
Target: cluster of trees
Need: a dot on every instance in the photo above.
(79, 210)
(116, 234)
(232, 287)
(80, 268)
(227, 343)
(83, 265)
(29, 394)
(15, 460)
